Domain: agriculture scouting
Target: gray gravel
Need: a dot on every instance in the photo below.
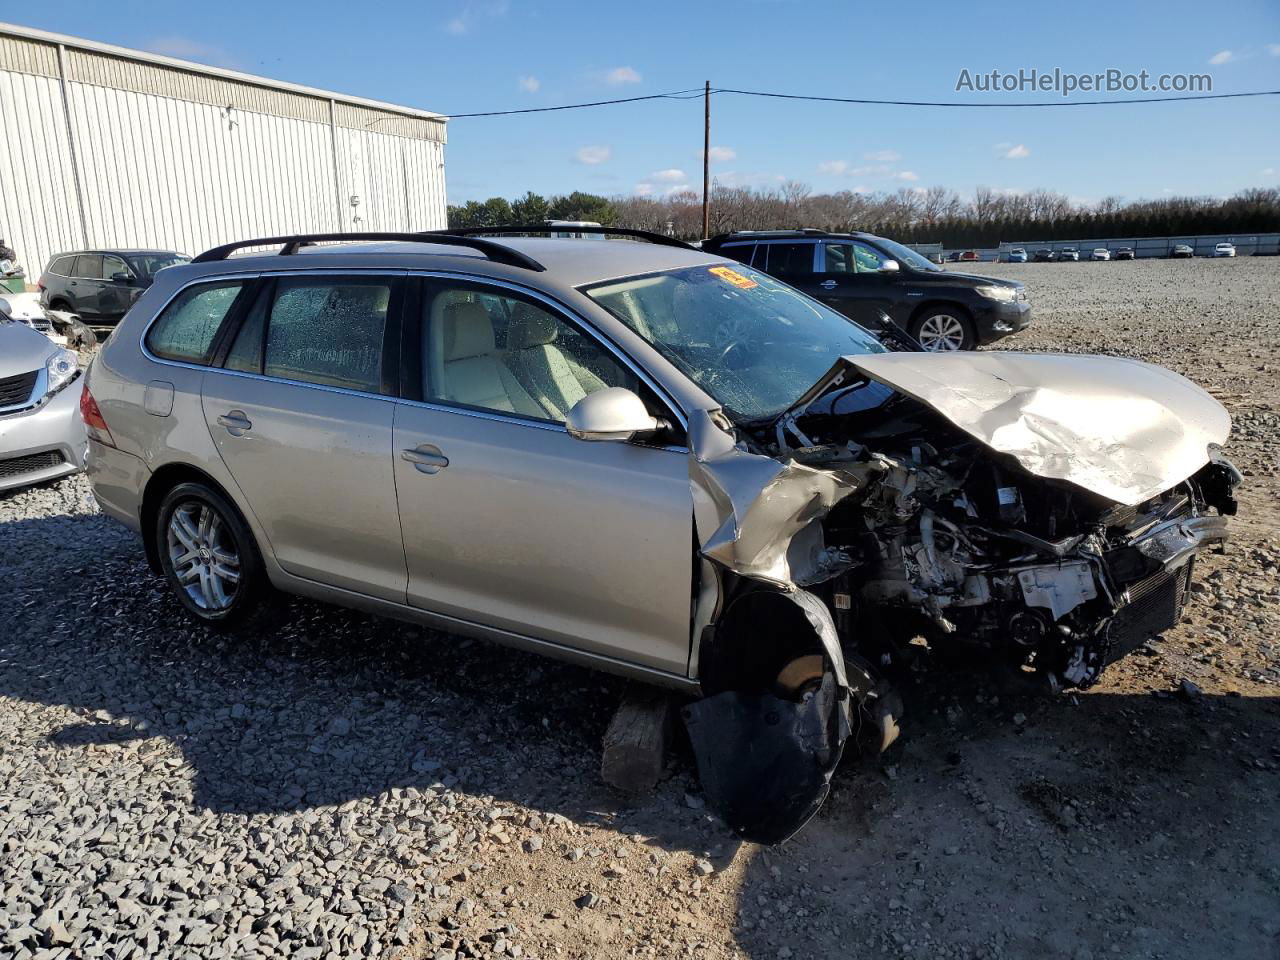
(343, 786)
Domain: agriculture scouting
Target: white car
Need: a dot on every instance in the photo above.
(1100, 253)
(1225, 250)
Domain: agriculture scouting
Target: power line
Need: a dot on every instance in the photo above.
(977, 103)
(674, 95)
(963, 104)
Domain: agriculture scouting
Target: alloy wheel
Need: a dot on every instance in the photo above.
(204, 556)
(941, 332)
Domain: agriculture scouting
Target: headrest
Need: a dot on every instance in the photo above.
(468, 331)
(530, 327)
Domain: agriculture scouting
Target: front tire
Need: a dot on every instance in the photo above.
(944, 330)
(209, 556)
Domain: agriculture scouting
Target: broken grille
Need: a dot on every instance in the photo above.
(17, 390)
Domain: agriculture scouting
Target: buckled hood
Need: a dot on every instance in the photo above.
(1123, 429)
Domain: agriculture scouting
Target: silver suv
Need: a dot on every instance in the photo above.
(655, 461)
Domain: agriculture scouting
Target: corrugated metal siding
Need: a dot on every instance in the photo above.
(38, 210)
(28, 56)
(159, 169)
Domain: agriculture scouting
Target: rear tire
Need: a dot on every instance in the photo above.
(208, 556)
(944, 330)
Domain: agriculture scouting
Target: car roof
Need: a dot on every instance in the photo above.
(125, 251)
(569, 262)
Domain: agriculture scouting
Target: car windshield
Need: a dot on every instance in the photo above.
(149, 264)
(915, 261)
(751, 342)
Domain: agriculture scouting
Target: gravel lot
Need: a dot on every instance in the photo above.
(347, 786)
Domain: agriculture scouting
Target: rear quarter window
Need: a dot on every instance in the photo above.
(186, 329)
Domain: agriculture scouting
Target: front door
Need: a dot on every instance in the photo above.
(114, 294)
(511, 522)
(302, 412)
(850, 280)
(85, 286)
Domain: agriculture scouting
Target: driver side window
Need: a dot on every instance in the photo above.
(851, 257)
(504, 354)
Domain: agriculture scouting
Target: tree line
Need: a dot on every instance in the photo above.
(912, 215)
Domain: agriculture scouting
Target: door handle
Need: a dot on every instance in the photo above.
(236, 422)
(426, 458)
(828, 284)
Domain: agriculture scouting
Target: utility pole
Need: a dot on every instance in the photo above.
(706, 161)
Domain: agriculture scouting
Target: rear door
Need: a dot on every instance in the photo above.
(511, 522)
(849, 280)
(301, 408)
(85, 285)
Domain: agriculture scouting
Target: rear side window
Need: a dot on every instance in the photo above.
(324, 330)
(62, 267)
(185, 331)
(742, 252)
(790, 258)
(89, 266)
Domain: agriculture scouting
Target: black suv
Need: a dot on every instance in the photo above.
(867, 277)
(101, 285)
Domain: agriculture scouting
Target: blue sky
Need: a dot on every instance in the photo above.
(456, 56)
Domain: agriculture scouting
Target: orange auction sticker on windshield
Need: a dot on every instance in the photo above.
(729, 275)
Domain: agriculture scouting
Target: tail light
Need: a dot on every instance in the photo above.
(94, 423)
(40, 285)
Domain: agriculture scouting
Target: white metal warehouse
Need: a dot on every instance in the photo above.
(101, 146)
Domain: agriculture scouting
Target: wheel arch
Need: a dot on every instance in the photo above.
(936, 302)
(162, 481)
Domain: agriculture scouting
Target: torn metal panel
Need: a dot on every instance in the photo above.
(748, 508)
(764, 762)
(1123, 429)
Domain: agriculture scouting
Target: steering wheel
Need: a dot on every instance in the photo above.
(730, 348)
(733, 333)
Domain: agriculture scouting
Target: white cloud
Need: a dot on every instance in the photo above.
(1273, 49)
(593, 155)
(678, 188)
(1017, 152)
(620, 76)
(882, 156)
(1269, 172)
(833, 167)
(669, 176)
(528, 84)
(909, 175)
(473, 10)
(184, 48)
(721, 154)
(1221, 57)
(644, 189)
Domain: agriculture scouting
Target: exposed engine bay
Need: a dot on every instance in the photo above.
(890, 500)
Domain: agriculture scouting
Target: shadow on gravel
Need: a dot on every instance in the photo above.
(1004, 825)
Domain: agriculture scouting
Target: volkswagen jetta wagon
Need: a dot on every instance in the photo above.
(645, 458)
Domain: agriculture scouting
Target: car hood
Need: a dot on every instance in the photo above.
(978, 280)
(22, 349)
(1123, 429)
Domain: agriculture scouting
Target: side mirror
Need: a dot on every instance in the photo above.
(121, 277)
(614, 413)
(890, 266)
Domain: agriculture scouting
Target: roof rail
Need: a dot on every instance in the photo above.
(648, 235)
(289, 245)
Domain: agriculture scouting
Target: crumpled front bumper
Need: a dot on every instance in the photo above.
(45, 442)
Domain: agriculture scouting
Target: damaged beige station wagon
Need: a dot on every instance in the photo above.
(633, 455)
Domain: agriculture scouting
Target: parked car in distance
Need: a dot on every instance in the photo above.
(1224, 250)
(970, 256)
(1100, 253)
(1017, 255)
(953, 256)
(41, 434)
(656, 461)
(1068, 253)
(870, 278)
(1181, 250)
(1044, 255)
(1123, 253)
(100, 286)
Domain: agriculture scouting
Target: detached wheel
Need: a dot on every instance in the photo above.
(944, 330)
(209, 556)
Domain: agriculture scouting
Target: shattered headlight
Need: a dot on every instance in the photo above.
(61, 367)
(1003, 294)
